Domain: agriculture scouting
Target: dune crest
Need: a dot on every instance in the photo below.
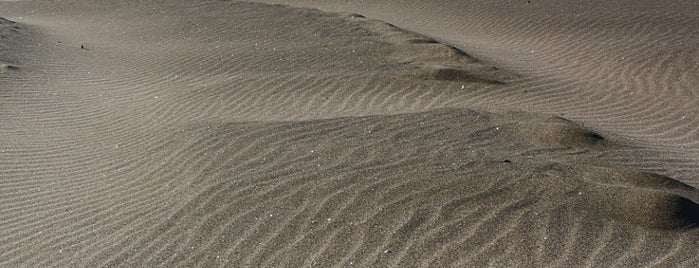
(430, 58)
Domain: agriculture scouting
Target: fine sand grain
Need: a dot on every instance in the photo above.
(349, 133)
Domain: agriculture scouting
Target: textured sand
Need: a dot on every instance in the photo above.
(349, 133)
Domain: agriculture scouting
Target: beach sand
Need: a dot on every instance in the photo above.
(349, 133)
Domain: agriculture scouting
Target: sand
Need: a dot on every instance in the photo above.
(349, 133)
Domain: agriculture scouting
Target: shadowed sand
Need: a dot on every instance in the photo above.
(243, 134)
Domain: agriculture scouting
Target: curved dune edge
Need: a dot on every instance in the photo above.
(263, 135)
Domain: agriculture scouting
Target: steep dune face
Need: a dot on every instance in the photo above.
(226, 133)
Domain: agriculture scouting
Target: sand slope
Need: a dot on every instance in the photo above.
(226, 133)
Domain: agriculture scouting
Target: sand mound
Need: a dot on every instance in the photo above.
(431, 59)
(644, 199)
(234, 134)
(389, 190)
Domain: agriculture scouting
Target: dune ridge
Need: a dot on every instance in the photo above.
(228, 133)
(597, 62)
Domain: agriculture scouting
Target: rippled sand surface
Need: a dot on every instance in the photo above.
(349, 133)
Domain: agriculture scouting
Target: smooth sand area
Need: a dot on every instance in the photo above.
(346, 133)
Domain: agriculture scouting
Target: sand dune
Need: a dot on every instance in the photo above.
(347, 133)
